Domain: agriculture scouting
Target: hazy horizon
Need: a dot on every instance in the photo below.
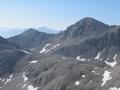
(9, 32)
(56, 14)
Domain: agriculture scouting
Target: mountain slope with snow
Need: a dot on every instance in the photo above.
(86, 56)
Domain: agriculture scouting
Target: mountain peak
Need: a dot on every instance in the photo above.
(85, 27)
(31, 30)
(90, 21)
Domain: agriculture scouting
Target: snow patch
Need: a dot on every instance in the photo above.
(8, 79)
(93, 71)
(34, 61)
(98, 56)
(115, 57)
(77, 83)
(30, 87)
(52, 48)
(83, 76)
(114, 88)
(106, 77)
(44, 50)
(24, 85)
(24, 77)
(112, 64)
(80, 59)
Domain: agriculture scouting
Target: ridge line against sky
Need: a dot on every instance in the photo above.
(56, 14)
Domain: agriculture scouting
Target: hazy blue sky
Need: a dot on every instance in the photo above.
(56, 14)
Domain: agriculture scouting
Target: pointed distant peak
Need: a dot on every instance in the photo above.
(31, 30)
(44, 27)
(48, 30)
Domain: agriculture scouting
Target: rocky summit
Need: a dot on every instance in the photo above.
(85, 56)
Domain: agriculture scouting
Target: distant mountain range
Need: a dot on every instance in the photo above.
(85, 56)
(47, 30)
(9, 32)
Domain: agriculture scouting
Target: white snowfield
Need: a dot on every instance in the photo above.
(24, 85)
(112, 64)
(83, 76)
(45, 50)
(77, 83)
(106, 77)
(24, 77)
(30, 87)
(8, 79)
(98, 56)
(80, 59)
(25, 51)
(35, 61)
(114, 88)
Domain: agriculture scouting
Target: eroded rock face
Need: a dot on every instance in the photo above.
(83, 57)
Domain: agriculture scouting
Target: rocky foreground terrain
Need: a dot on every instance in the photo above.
(85, 56)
